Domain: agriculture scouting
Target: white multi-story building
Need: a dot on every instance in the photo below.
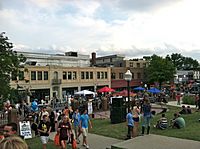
(69, 59)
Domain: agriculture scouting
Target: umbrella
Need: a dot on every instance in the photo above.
(85, 92)
(106, 89)
(154, 90)
(139, 88)
(125, 93)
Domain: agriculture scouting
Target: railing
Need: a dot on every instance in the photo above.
(56, 81)
(3, 118)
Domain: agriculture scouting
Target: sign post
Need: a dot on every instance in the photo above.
(25, 129)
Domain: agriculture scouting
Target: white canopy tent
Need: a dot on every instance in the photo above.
(85, 92)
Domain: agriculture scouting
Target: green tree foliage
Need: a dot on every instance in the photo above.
(9, 64)
(182, 63)
(160, 70)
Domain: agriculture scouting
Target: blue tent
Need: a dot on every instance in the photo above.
(154, 90)
(139, 88)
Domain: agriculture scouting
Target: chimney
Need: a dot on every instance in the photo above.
(93, 61)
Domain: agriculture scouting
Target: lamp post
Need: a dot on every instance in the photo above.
(128, 77)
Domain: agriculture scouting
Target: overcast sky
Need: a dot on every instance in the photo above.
(131, 27)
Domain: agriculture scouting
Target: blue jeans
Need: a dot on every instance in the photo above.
(146, 121)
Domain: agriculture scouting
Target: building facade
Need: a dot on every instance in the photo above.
(46, 82)
(69, 59)
(119, 66)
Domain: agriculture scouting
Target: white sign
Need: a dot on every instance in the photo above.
(90, 109)
(25, 129)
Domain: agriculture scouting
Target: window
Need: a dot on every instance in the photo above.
(14, 77)
(87, 75)
(132, 75)
(39, 75)
(46, 75)
(74, 75)
(138, 65)
(82, 75)
(64, 75)
(69, 74)
(91, 75)
(113, 76)
(111, 59)
(21, 75)
(131, 64)
(121, 76)
(98, 75)
(139, 75)
(106, 75)
(102, 75)
(33, 75)
(120, 65)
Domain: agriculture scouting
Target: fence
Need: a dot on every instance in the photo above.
(3, 118)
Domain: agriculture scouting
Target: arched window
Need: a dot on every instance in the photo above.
(55, 75)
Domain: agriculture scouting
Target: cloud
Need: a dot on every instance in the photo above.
(144, 5)
(107, 27)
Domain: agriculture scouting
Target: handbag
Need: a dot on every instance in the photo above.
(74, 144)
(57, 140)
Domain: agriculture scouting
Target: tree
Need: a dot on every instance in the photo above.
(183, 63)
(9, 62)
(160, 70)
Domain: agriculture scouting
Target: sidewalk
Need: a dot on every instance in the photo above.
(174, 103)
(156, 142)
(95, 141)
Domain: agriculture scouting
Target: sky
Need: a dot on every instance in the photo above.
(134, 28)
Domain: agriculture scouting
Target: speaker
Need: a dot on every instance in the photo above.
(118, 114)
(118, 102)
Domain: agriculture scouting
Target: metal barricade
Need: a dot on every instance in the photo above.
(3, 118)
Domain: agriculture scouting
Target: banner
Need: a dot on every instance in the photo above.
(90, 109)
(25, 129)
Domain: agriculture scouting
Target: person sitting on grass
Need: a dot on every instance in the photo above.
(179, 121)
(162, 122)
(189, 110)
(184, 110)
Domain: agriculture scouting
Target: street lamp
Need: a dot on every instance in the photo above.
(128, 77)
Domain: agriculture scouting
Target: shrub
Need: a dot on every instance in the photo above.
(188, 100)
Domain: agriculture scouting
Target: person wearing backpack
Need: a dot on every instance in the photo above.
(34, 106)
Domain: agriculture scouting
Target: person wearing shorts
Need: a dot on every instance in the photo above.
(44, 129)
(76, 118)
(136, 113)
(63, 129)
(84, 120)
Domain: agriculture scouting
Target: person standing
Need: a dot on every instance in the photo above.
(178, 98)
(43, 112)
(76, 118)
(84, 120)
(64, 131)
(146, 116)
(136, 118)
(129, 120)
(10, 129)
(57, 114)
(44, 129)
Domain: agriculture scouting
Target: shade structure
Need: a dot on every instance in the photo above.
(85, 92)
(105, 89)
(154, 90)
(139, 88)
(125, 93)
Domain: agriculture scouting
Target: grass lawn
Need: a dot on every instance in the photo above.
(119, 131)
(35, 143)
